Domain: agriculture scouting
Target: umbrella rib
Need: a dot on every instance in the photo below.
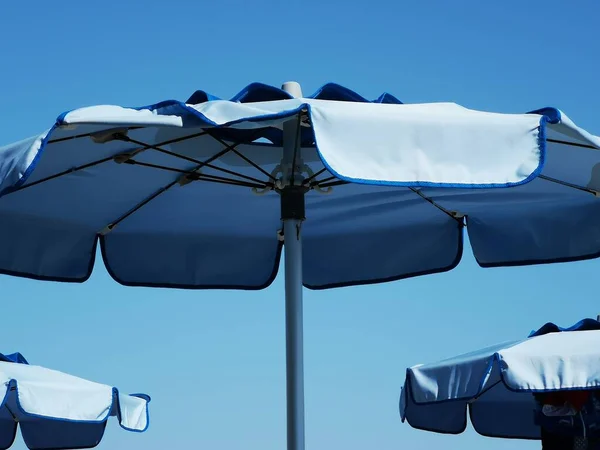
(64, 172)
(197, 176)
(137, 207)
(187, 158)
(245, 158)
(12, 414)
(162, 190)
(324, 180)
(109, 158)
(487, 389)
(456, 216)
(187, 176)
(90, 134)
(308, 180)
(332, 184)
(567, 184)
(79, 136)
(574, 144)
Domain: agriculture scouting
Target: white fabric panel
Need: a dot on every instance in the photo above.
(440, 143)
(553, 361)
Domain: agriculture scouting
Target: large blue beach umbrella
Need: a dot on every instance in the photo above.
(496, 387)
(204, 194)
(55, 410)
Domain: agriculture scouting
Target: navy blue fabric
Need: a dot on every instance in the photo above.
(14, 358)
(259, 92)
(8, 428)
(516, 411)
(582, 325)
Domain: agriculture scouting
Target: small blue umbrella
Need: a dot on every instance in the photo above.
(56, 410)
(495, 386)
(203, 194)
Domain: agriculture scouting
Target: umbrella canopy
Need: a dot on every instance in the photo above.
(185, 194)
(56, 410)
(496, 384)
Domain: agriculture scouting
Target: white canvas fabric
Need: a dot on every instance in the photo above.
(437, 143)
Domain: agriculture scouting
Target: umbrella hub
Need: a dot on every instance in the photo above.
(293, 206)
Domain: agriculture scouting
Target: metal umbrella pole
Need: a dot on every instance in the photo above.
(292, 215)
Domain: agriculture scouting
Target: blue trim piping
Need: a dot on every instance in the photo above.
(552, 114)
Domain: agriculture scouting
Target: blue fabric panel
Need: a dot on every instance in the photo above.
(504, 414)
(14, 358)
(443, 417)
(375, 234)
(207, 243)
(540, 222)
(47, 434)
(8, 428)
(582, 325)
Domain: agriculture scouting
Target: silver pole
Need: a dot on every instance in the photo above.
(292, 224)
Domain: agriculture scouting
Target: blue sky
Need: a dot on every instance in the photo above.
(213, 361)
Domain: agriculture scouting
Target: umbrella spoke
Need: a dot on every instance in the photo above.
(187, 158)
(324, 180)
(79, 136)
(187, 177)
(487, 389)
(137, 207)
(193, 175)
(570, 185)
(93, 133)
(307, 181)
(331, 184)
(126, 155)
(64, 172)
(245, 158)
(454, 214)
(574, 144)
